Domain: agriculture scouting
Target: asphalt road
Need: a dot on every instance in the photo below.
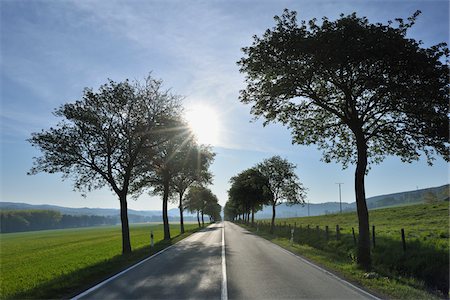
(259, 269)
(253, 268)
(191, 269)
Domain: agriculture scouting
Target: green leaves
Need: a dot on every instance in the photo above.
(270, 182)
(102, 137)
(201, 199)
(281, 180)
(327, 81)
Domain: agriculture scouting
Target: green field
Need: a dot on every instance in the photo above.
(424, 264)
(424, 222)
(58, 263)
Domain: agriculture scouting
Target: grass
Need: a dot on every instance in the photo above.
(419, 272)
(62, 263)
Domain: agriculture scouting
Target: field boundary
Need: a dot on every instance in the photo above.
(98, 285)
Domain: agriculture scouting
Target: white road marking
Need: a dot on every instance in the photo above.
(224, 266)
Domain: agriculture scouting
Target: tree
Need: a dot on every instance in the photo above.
(197, 200)
(213, 209)
(230, 210)
(178, 161)
(282, 183)
(360, 91)
(194, 170)
(104, 136)
(193, 202)
(164, 163)
(249, 189)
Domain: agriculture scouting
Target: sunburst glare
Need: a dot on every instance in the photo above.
(204, 122)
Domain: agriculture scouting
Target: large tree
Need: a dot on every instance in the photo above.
(360, 91)
(104, 136)
(282, 182)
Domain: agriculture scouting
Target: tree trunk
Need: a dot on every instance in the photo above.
(203, 221)
(126, 244)
(272, 225)
(198, 218)
(253, 216)
(181, 214)
(363, 259)
(165, 216)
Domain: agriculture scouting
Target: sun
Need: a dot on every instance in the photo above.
(204, 122)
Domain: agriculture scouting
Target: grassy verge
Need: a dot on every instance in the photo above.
(419, 272)
(63, 263)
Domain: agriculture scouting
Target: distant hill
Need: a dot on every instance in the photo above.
(440, 193)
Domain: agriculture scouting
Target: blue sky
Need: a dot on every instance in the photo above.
(51, 50)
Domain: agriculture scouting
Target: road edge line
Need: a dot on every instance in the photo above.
(224, 294)
(90, 290)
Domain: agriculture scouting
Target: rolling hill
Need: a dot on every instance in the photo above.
(440, 193)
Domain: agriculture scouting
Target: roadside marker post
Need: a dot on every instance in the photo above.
(292, 236)
(151, 239)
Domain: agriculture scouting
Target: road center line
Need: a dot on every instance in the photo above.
(224, 295)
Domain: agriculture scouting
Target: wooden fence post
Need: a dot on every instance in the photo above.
(337, 233)
(403, 240)
(354, 236)
(326, 232)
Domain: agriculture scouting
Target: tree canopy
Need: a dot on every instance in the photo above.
(270, 182)
(201, 200)
(359, 91)
(249, 191)
(282, 182)
(195, 169)
(333, 82)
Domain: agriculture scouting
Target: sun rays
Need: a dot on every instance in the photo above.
(204, 122)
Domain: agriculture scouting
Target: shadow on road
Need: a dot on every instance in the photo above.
(188, 270)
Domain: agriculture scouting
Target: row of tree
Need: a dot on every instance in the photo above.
(130, 137)
(270, 182)
(30, 220)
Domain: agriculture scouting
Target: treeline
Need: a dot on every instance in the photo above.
(31, 220)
